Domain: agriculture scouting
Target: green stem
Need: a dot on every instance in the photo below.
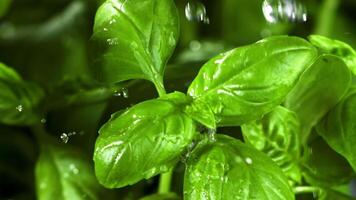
(159, 87)
(39, 132)
(165, 182)
(326, 17)
(306, 189)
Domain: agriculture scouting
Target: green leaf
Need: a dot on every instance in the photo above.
(337, 48)
(144, 141)
(4, 6)
(134, 39)
(19, 100)
(277, 135)
(245, 83)
(324, 167)
(329, 194)
(319, 89)
(229, 169)
(169, 196)
(202, 113)
(63, 174)
(338, 127)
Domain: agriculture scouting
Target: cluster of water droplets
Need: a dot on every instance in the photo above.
(65, 136)
(123, 92)
(196, 11)
(276, 11)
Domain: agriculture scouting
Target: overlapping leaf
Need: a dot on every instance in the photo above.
(338, 127)
(245, 83)
(144, 141)
(229, 169)
(134, 40)
(277, 135)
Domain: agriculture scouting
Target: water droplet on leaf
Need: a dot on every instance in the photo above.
(73, 169)
(284, 11)
(248, 161)
(125, 92)
(196, 11)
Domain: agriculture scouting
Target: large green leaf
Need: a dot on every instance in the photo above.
(134, 39)
(19, 100)
(319, 89)
(338, 127)
(337, 48)
(324, 167)
(229, 169)
(63, 174)
(277, 135)
(245, 83)
(144, 141)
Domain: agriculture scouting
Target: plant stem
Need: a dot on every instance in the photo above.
(326, 17)
(165, 182)
(306, 189)
(159, 87)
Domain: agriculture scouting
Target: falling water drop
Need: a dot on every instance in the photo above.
(284, 11)
(19, 108)
(43, 120)
(64, 137)
(196, 11)
(195, 45)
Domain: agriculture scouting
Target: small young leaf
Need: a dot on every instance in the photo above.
(319, 89)
(277, 135)
(338, 127)
(63, 174)
(245, 83)
(134, 39)
(229, 169)
(337, 48)
(322, 166)
(19, 100)
(142, 142)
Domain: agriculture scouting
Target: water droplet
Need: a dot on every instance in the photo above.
(248, 160)
(195, 45)
(105, 29)
(112, 41)
(284, 11)
(64, 137)
(172, 41)
(125, 92)
(19, 108)
(73, 169)
(212, 134)
(43, 120)
(196, 11)
(112, 21)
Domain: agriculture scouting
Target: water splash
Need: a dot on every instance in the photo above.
(196, 11)
(276, 11)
